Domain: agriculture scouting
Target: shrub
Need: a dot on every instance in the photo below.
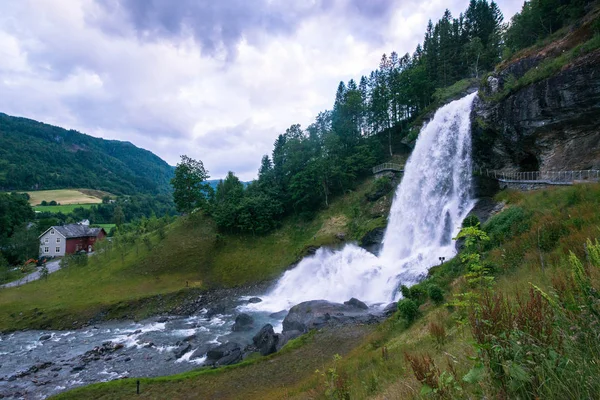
(435, 293)
(509, 223)
(381, 187)
(408, 310)
(471, 220)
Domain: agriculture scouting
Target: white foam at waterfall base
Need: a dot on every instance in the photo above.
(429, 206)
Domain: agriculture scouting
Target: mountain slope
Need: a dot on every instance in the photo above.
(34, 155)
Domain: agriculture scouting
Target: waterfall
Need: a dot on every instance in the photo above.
(429, 206)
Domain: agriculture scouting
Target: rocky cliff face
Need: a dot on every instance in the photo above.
(553, 124)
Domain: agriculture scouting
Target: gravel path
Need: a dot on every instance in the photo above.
(53, 266)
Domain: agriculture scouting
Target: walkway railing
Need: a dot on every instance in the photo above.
(388, 167)
(556, 177)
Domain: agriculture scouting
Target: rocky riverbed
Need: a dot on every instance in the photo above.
(37, 364)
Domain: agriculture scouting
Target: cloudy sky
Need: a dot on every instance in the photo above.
(214, 79)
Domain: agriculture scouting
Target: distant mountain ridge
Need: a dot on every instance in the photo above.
(36, 156)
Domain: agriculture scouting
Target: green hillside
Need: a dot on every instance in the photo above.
(36, 156)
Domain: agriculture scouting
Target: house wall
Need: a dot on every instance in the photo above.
(82, 243)
(52, 240)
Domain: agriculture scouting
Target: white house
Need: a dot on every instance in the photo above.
(53, 243)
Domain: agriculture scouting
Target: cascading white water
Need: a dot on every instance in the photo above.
(428, 209)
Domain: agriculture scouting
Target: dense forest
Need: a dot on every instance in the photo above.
(36, 156)
(308, 166)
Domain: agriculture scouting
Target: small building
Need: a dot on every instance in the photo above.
(69, 239)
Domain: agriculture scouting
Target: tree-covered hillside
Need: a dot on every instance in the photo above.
(35, 155)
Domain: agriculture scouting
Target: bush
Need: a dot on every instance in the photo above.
(435, 293)
(509, 223)
(408, 310)
(471, 220)
(381, 187)
(53, 203)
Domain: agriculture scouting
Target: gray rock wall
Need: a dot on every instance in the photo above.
(553, 124)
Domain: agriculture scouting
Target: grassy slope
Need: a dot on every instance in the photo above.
(191, 252)
(564, 217)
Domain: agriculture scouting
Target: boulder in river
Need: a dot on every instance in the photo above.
(243, 322)
(279, 314)
(254, 300)
(354, 302)
(266, 340)
(319, 313)
(390, 309)
(224, 354)
(181, 350)
(45, 337)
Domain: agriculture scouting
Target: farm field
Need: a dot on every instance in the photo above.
(67, 196)
(107, 227)
(65, 209)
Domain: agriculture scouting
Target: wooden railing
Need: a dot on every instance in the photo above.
(388, 167)
(551, 177)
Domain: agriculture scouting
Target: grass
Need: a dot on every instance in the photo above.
(67, 196)
(65, 209)
(191, 252)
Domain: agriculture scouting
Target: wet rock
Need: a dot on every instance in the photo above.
(254, 300)
(78, 368)
(45, 337)
(199, 352)
(390, 309)
(340, 236)
(126, 359)
(162, 319)
(225, 354)
(266, 340)
(316, 314)
(286, 337)
(279, 314)
(354, 302)
(190, 338)
(243, 322)
(181, 350)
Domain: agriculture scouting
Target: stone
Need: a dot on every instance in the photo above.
(390, 309)
(266, 340)
(340, 236)
(181, 350)
(243, 322)
(45, 337)
(356, 303)
(162, 319)
(78, 368)
(254, 300)
(225, 354)
(549, 125)
(316, 314)
(279, 314)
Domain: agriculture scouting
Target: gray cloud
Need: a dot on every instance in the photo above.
(218, 26)
(216, 80)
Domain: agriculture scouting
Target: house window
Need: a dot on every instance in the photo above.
(58, 249)
(46, 240)
(57, 240)
(46, 249)
(52, 232)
